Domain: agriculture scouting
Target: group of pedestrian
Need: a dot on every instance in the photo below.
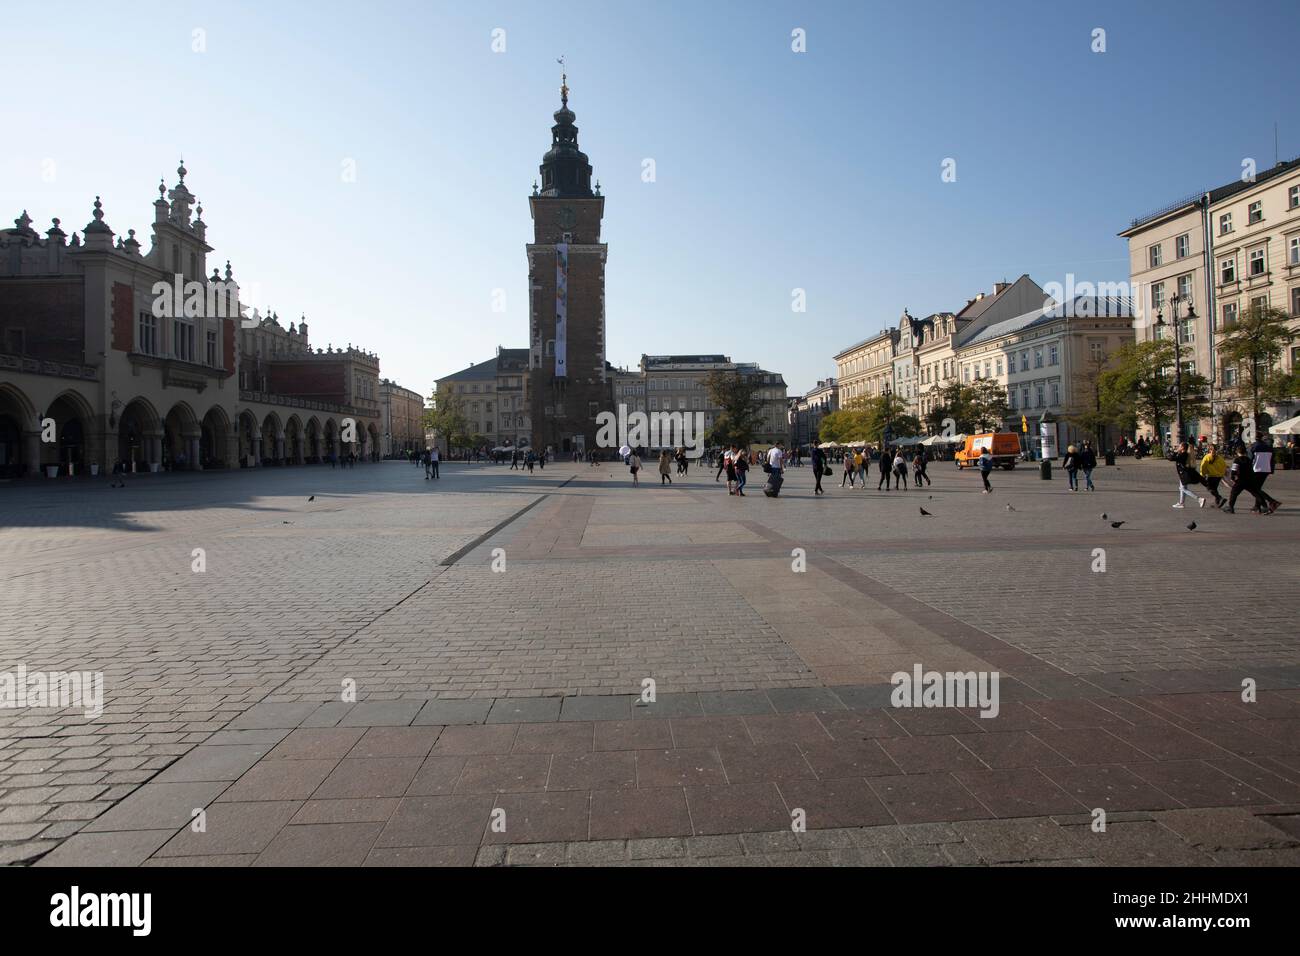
(430, 462)
(1248, 471)
(1081, 459)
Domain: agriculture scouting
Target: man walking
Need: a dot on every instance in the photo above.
(886, 467)
(433, 461)
(1088, 461)
(819, 464)
(1261, 454)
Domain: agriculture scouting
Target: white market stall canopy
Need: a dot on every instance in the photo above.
(1289, 427)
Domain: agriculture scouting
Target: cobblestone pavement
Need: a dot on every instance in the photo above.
(507, 697)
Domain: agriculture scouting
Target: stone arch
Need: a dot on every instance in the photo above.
(215, 439)
(71, 451)
(313, 450)
(250, 440)
(272, 439)
(20, 440)
(293, 440)
(332, 447)
(139, 434)
(180, 438)
(372, 442)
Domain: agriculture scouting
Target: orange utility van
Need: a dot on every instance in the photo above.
(1004, 446)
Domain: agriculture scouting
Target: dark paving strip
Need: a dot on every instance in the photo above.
(461, 552)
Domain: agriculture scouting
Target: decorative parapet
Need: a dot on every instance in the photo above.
(290, 401)
(21, 363)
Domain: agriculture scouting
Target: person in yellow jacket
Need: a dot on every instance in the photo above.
(1213, 467)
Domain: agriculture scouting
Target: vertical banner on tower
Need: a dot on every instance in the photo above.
(561, 308)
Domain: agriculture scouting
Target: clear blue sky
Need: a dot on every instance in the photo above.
(775, 170)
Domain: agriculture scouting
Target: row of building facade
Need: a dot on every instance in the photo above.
(1196, 266)
(1040, 354)
(495, 398)
(96, 368)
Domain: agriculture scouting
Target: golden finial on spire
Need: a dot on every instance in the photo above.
(564, 83)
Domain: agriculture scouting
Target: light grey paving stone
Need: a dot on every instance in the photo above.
(158, 806)
(211, 763)
(789, 700)
(381, 713)
(524, 710)
(273, 715)
(735, 703)
(668, 705)
(125, 848)
(615, 707)
(447, 711)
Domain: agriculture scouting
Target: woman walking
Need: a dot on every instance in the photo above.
(1088, 461)
(634, 466)
(900, 471)
(849, 471)
(729, 459)
(1071, 466)
(742, 468)
(1186, 476)
(818, 463)
(986, 467)
(665, 467)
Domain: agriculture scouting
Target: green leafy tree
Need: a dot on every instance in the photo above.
(1096, 411)
(740, 408)
(988, 405)
(1141, 385)
(1254, 345)
(446, 417)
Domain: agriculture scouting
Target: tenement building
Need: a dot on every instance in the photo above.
(1198, 264)
(112, 353)
(403, 419)
(807, 411)
(494, 398)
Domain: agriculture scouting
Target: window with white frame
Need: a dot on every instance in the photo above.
(1024, 397)
(1257, 265)
(1293, 251)
(1227, 270)
(1185, 288)
(1295, 302)
(1182, 246)
(1056, 393)
(1255, 212)
(1038, 396)
(1158, 296)
(1097, 351)
(1053, 357)
(1153, 255)
(1038, 358)
(1024, 361)
(1259, 303)
(1187, 330)
(1293, 197)
(1229, 314)
(1225, 223)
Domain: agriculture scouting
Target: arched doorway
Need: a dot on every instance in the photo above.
(372, 442)
(137, 432)
(272, 440)
(72, 417)
(1232, 428)
(313, 449)
(180, 439)
(331, 439)
(214, 438)
(293, 441)
(249, 450)
(17, 423)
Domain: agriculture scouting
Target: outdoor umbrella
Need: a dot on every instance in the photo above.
(1289, 427)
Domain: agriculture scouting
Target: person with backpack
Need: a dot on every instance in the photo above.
(1187, 475)
(1087, 462)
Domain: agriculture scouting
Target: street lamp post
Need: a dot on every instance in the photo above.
(1175, 301)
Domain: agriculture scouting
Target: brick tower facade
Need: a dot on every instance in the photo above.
(568, 386)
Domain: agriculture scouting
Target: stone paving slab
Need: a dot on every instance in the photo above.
(1120, 689)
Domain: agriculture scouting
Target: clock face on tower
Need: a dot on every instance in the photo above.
(567, 217)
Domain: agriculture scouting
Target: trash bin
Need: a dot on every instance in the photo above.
(1045, 470)
(1110, 456)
